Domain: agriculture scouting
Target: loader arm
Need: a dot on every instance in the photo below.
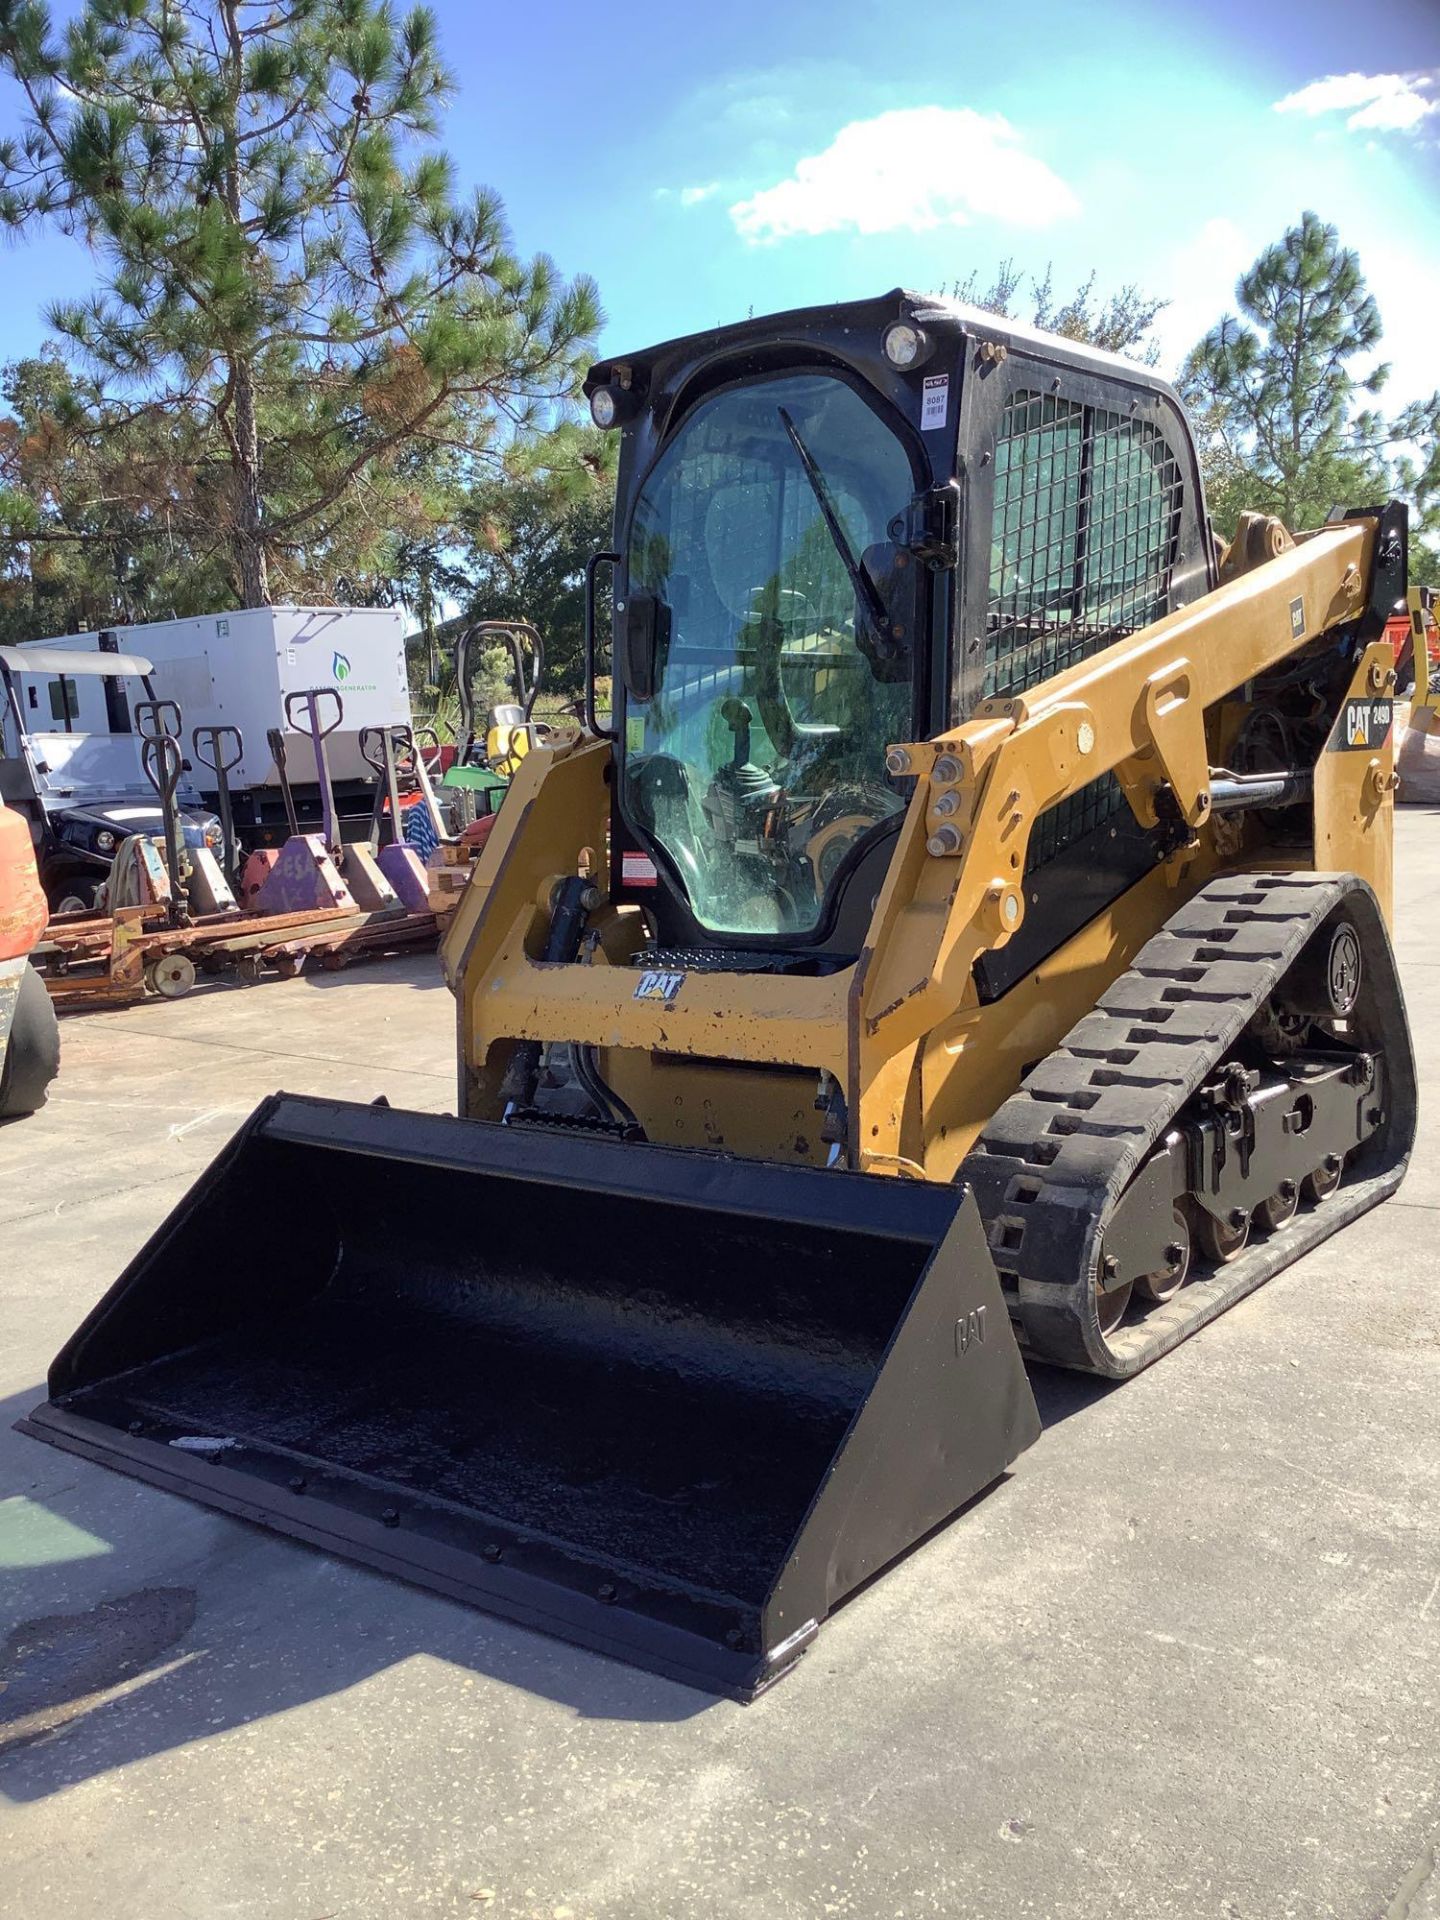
(1139, 708)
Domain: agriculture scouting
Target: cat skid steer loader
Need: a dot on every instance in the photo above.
(963, 946)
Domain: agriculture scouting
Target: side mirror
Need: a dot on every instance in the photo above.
(899, 581)
(642, 622)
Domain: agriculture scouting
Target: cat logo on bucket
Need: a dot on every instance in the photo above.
(970, 1330)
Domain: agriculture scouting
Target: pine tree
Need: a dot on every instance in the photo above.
(287, 263)
(1120, 323)
(1275, 392)
(526, 560)
(88, 510)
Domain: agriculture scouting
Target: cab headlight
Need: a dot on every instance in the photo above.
(613, 403)
(105, 840)
(603, 409)
(907, 345)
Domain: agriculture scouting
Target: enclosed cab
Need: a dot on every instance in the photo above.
(844, 528)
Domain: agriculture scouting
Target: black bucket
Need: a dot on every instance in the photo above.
(668, 1404)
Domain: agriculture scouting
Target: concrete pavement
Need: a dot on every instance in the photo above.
(1184, 1661)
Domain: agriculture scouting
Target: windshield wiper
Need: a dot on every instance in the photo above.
(865, 589)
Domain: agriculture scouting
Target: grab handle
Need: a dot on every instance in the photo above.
(217, 739)
(372, 747)
(153, 720)
(595, 561)
(312, 696)
(161, 760)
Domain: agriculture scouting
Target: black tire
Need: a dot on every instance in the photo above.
(32, 1058)
(74, 896)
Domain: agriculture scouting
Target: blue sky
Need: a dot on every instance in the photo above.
(703, 160)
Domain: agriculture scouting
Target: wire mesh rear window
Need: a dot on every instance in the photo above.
(1086, 527)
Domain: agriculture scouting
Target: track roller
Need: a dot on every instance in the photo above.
(1279, 1208)
(1221, 1240)
(1166, 1281)
(1256, 1048)
(1112, 1304)
(1319, 1185)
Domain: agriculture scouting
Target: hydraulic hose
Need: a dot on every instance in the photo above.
(562, 943)
(587, 1072)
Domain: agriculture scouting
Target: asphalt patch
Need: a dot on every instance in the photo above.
(56, 1667)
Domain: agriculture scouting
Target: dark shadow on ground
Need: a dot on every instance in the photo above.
(1060, 1393)
(418, 969)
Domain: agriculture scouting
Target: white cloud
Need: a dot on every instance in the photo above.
(1198, 278)
(916, 168)
(1392, 102)
(1395, 111)
(687, 196)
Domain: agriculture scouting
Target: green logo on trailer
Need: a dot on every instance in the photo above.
(340, 667)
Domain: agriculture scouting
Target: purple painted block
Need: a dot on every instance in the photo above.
(303, 879)
(405, 871)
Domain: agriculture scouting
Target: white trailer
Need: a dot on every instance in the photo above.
(235, 669)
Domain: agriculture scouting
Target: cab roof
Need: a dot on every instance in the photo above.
(937, 311)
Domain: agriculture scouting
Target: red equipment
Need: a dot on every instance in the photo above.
(29, 1036)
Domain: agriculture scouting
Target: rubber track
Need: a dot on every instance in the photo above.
(1056, 1157)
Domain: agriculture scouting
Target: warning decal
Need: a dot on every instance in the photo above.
(637, 869)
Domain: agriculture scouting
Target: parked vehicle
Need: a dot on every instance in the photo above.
(965, 945)
(70, 763)
(237, 669)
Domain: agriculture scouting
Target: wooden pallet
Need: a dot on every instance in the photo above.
(95, 960)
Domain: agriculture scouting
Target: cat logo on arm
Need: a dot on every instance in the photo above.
(1363, 726)
(657, 985)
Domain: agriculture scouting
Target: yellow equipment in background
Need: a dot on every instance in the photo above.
(965, 944)
(1417, 751)
(1425, 701)
(506, 742)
